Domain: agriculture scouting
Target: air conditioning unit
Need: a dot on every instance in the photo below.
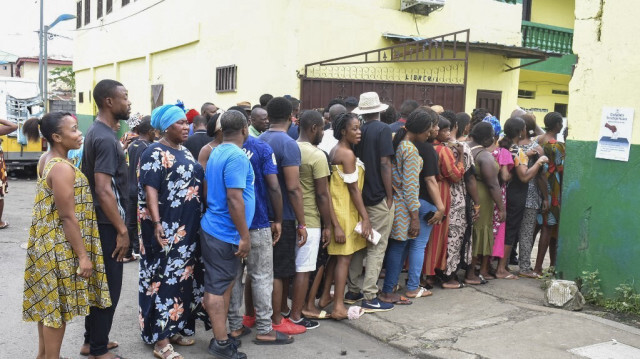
(421, 7)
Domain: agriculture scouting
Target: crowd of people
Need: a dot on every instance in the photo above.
(315, 206)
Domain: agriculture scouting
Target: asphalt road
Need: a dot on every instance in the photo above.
(20, 339)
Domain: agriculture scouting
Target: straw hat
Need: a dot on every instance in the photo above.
(369, 103)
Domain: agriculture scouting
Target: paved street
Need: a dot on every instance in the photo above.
(20, 339)
(504, 319)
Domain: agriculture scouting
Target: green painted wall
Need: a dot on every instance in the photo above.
(600, 228)
(557, 65)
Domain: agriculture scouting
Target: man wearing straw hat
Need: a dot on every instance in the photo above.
(375, 150)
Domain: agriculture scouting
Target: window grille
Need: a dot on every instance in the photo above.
(226, 78)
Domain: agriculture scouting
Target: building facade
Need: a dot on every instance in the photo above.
(599, 228)
(229, 51)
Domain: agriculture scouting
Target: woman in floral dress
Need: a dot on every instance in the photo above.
(169, 197)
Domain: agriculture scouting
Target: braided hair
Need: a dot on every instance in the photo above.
(341, 122)
(419, 121)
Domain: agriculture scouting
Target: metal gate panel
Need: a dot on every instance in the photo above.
(430, 71)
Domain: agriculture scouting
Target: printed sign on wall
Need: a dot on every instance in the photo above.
(615, 133)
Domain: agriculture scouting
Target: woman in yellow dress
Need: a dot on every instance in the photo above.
(64, 273)
(345, 186)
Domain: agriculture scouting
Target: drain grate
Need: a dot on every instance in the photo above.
(607, 350)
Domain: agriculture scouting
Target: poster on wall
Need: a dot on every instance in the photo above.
(615, 133)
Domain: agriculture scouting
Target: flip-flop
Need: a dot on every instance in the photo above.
(6, 224)
(453, 286)
(422, 292)
(533, 275)
(245, 331)
(403, 301)
(482, 281)
(182, 341)
(281, 339)
(111, 345)
(510, 276)
(323, 315)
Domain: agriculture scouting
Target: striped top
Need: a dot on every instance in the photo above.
(405, 177)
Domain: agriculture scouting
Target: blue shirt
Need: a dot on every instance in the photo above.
(228, 167)
(293, 131)
(287, 154)
(263, 162)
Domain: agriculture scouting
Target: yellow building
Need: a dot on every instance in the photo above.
(230, 51)
(544, 86)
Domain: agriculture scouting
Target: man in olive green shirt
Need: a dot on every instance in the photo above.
(259, 122)
(314, 175)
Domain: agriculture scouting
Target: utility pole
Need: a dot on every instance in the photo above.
(40, 35)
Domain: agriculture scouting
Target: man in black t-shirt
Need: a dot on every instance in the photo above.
(104, 165)
(375, 150)
(199, 138)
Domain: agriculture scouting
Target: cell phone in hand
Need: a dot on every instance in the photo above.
(427, 217)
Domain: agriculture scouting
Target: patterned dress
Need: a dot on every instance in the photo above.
(451, 171)
(171, 279)
(503, 158)
(53, 292)
(556, 152)
(405, 178)
(458, 217)
(346, 211)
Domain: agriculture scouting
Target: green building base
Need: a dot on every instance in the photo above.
(600, 228)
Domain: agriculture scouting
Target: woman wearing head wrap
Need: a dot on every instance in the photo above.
(169, 192)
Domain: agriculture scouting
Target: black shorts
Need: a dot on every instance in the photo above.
(284, 252)
(220, 263)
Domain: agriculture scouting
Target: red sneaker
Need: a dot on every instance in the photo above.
(248, 321)
(288, 327)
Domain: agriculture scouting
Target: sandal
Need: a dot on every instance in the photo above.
(168, 349)
(480, 282)
(281, 339)
(422, 292)
(510, 276)
(452, 286)
(245, 331)
(323, 315)
(5, 225)
(111, 345)
(182, 341)
(533, 275)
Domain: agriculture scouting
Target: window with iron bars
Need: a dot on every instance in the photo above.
(78, 14)
(87, 11)
(226, 78)
(99, 9)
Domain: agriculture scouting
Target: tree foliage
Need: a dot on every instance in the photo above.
(63, 78)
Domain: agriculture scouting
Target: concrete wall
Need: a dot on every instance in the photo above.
(599, 228)
(543, 83)
(270, 41)
(29, 71)
(7, 70)
(64, 106)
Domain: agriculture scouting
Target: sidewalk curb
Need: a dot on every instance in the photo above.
(397, 336)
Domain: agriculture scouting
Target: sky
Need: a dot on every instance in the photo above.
(19, 19)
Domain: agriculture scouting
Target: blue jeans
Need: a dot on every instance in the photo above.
(398, 251)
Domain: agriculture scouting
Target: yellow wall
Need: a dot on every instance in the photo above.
(553, 12)
(542, 83)
(603, 76)
(270, 41)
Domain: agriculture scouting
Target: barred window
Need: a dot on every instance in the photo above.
(87, 11)
(99, 9)
(226, 78)
(78, 14)
(80, 97)
(109, 6)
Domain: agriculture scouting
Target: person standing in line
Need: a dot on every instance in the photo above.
(264, 100)
(451, 171)
(409, 234)
(199, 138)
(208, 109)
(314, 176)
(346, 197)
(64, 273)
(230, 199)
(328, 140)
(169, 192)
(145, 136)
(406, 108)
(264, 235)
(213, 131)
(375, 150)
(481, 136)
(556, 152)
(6, 128)
(259, 122)
(287, 155)
(104, 164)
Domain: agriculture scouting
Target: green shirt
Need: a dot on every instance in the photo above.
(313, 166)
(253, 132)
